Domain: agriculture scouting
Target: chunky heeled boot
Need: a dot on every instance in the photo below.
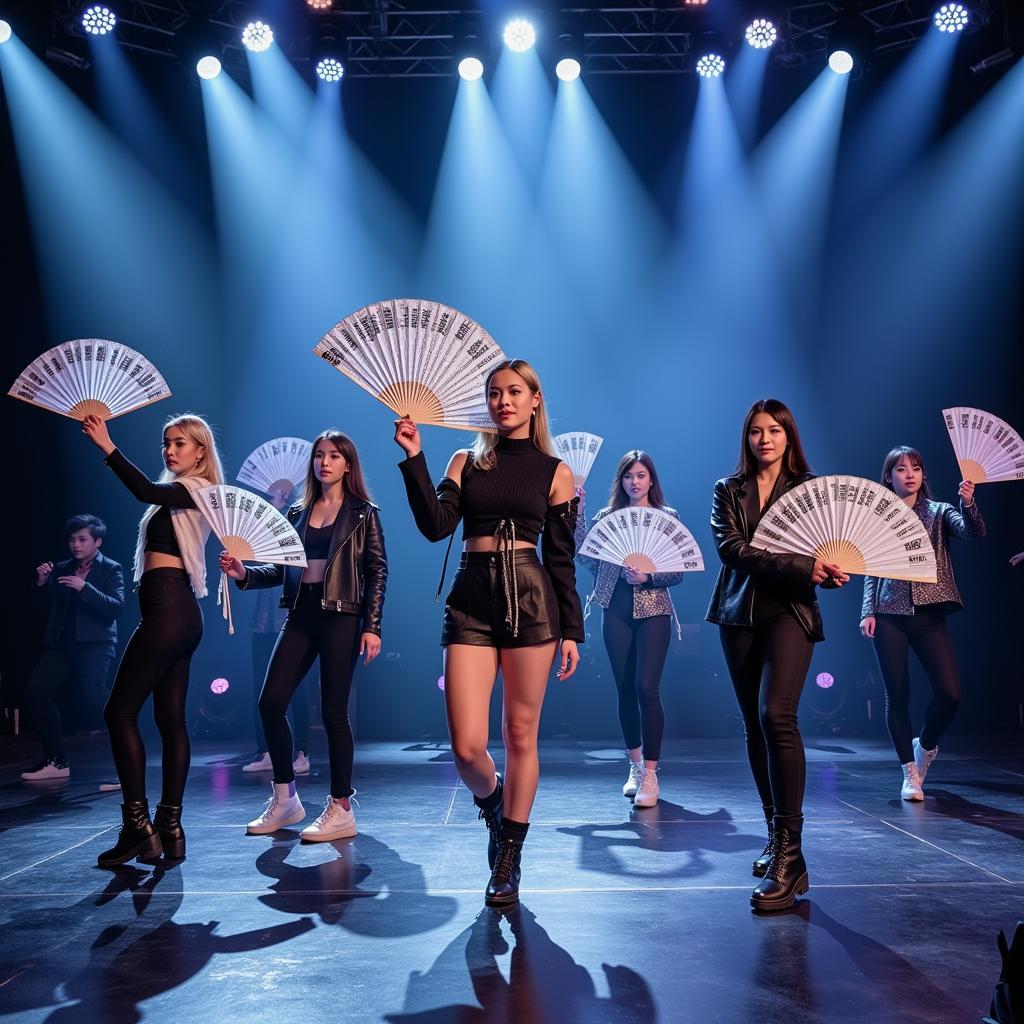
(503, 888)
(137, 838)
(490, 811)
(167, 822)
(762, 863)
(786, 877)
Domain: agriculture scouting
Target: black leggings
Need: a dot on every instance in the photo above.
(298, 710)
(925, 632)
(310, 631)
(768, 664)
(86, 663)
(156, 661)
(637, 649)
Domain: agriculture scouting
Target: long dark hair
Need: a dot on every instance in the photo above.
(617, 498)
(915, 458)
(794, 462)
(355, 482)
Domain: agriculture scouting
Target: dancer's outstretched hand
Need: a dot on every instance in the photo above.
(96, 430)
(231, 566)
(407, 436)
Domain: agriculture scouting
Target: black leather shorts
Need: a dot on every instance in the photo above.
(476, 611)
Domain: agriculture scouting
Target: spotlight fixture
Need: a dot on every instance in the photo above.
(569, 50)
(761, 34)
(841, 62)
(319, 5)
(257, 36)
(98, 20)
(710, 65)
(951, 18)
(5, 31)
(850, 43)
(330, 69)
(519, 35)
(208, 67)
(568, 69)
(471, 68)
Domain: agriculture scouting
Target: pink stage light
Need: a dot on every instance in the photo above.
(440, 682)
(825, 680)
(219, 686)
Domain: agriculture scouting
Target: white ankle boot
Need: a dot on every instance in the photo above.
(911, 783)
(636, 774)
(334, 823)
(281, 810)
(649, 791)
(923, 758)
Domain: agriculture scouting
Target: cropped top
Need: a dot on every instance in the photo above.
(318, 541)
(160, 533)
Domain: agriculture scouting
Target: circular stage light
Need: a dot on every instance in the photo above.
(5, 31)
(471, 68)
(98, 20)
(711, 65)
(951, 18)
(330, 69)
(319, 5)
(825, 680)
(568, 69)
(208, 67)
(220, 686)
(519, 35)
(440, 682)
(257, 37)
(761, 34)
(840, 62)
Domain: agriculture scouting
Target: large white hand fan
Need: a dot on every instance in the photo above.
(578, 450)
(251, 529)
(987, 448)
(858, 524)
(646, 538)
(90, 377)
(278, 465)
(421, 359)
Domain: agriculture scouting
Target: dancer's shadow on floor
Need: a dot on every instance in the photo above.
(118, 952)
(666, 828)
(998, 819)
(365, 887)
(47, 802)
(544, 984)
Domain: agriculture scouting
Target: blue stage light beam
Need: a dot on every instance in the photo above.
(744, 86)
(524, 101)
(281, 93)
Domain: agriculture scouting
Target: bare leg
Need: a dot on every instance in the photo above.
(469, 675)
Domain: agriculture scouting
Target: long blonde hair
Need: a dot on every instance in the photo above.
(198, 431)
(540, 432)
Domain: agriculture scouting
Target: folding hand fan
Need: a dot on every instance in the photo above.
(646, 538)
(987, 448)
(90, 377)
(278, 465)
(858, 524)
(421, 359)
(578, 450)
(251, 529)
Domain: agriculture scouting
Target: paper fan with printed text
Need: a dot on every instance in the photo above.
(858, 524)
(90, 377)
(251, 529)
(987, 448)
(646, 538)
(277, 465)
(421, 359)
(578, 450)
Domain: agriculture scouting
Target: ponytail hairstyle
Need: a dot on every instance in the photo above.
(355, 482)
(617, 496)
(915, 460)
(794, 462)
(540, 432)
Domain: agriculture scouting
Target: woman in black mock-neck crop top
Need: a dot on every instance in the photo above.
(507, 609)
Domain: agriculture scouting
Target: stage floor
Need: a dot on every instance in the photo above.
(626, 916)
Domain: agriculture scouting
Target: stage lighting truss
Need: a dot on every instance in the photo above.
(98, 20)
(710, 65)
(519, 35)
(330, 69)
(257, 37)
(761, 34)
(418, 39)
(951, 18)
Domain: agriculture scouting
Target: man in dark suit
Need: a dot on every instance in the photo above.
(85, 594)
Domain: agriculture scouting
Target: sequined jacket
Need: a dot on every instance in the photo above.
(901, 597)
(649, 599)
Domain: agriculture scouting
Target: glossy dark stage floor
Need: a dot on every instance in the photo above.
(626, 916)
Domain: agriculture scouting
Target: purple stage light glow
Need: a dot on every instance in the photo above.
(219, 686)
(825, 680)
(440, 682)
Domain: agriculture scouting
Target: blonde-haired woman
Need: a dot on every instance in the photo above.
(170, 570)
(507, 609)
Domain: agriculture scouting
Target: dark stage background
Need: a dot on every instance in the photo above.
(871, 287)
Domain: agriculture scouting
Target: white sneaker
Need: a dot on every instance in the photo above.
(46, 770)
(911, 783)
(334, 823)
(260, 764)
(301, 763)
(923, 758)
(110, 787)
(636, 773)
(649, 791)
(280, 811)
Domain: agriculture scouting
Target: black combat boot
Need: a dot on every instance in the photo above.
(137, 838)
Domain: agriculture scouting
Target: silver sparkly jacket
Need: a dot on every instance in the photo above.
(649, 599)
(900, 597)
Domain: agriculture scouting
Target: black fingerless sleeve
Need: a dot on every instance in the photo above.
(558, 551)
(172, 495)
(437, 511)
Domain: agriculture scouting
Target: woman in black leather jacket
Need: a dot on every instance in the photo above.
(334, 613)
(769, 620)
